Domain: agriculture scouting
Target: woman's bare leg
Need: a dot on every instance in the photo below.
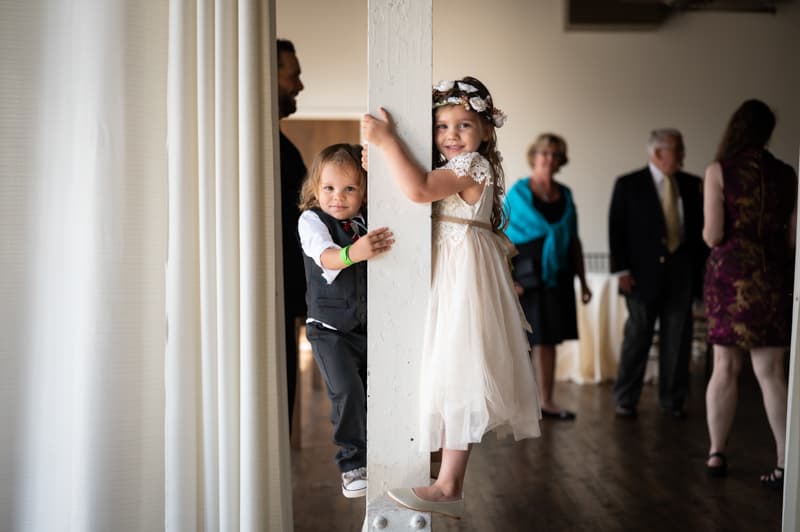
(721, 396)
(769, 370)
(545, 363)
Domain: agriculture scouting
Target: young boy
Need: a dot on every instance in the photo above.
(336, 246)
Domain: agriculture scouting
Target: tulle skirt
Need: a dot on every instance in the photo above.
(476, 373)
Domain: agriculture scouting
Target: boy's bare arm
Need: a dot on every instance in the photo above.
(373, 243)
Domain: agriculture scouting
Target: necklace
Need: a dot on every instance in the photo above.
(546, 195)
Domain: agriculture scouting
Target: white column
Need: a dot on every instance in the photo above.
(791, 482)
(399, 57)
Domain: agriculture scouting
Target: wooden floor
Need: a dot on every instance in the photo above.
(598, 473)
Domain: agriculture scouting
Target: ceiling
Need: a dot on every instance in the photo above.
(650, 14)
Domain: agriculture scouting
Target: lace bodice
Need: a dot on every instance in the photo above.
(476, 167)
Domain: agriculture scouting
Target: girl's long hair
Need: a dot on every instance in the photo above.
(487, 148)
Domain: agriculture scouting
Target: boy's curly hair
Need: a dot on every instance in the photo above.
(342, 154)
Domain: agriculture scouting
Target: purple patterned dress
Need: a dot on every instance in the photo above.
(749, 275)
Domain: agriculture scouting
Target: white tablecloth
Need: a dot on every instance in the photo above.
(595, 355)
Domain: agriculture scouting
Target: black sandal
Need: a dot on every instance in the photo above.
(720, 470)
(561, 415)
(774, 479)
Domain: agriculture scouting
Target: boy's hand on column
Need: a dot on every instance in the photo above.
(373, 243)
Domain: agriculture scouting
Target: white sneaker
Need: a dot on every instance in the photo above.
(354, 483)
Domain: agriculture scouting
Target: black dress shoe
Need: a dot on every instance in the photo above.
(561, 415)
(627, 412)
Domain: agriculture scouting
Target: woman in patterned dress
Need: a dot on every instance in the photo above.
(750, 211)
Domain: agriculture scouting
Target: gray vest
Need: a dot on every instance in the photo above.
(342, 304)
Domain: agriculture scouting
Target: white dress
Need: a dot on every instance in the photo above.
(476, 373)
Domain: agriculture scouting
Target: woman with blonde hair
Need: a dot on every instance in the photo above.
(543, 224)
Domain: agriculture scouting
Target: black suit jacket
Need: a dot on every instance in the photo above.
(293, 171)
(637, 232)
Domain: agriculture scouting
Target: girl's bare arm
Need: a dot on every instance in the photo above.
(417, 184)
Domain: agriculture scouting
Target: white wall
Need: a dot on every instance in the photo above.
(603, 91)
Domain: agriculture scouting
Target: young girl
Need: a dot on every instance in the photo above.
(335, 243)
(476, 373)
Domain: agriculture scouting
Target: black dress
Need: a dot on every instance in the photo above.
(550, 309)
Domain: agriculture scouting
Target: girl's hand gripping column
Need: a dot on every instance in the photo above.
(378, 131)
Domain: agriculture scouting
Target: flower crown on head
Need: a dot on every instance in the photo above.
(462, 93)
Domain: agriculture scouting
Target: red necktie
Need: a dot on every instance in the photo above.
(351, 228)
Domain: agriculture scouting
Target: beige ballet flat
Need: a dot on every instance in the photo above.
(406, 497)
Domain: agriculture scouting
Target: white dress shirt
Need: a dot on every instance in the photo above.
(314, 239)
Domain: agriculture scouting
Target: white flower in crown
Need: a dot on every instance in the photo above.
(499, 117)
(444, 85)
(466, 87)
(455, 100)
(478, 104)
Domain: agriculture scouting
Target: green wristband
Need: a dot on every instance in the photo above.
(344, 254)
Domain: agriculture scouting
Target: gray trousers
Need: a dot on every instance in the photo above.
(342, 361)
(673, 310)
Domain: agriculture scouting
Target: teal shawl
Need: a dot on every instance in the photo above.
(527, 224)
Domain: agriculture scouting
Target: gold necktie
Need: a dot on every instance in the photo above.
(669, 202)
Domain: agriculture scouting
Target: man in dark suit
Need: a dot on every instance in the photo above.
(293, 171)
(655, 227)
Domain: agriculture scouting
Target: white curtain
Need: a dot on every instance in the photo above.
(140, 378)
(222, 298)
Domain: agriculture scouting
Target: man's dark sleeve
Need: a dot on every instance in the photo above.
(618, 230)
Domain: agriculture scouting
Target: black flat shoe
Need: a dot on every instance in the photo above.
(773, 480)
(561, 415)
(720, 470)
